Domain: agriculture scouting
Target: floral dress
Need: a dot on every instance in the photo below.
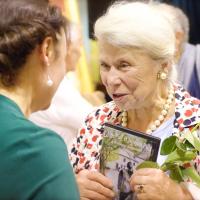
(85, 152)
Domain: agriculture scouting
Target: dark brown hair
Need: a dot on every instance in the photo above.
(24, 24)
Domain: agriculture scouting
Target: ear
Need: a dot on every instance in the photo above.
(166, 65)
(179, 45)
(47, 51)
(179, 38)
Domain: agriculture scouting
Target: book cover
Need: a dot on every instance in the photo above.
(122, 150)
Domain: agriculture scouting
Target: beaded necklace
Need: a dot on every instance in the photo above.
(161, 117)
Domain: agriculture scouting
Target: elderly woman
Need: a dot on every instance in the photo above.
(137, 46)
(33, 51)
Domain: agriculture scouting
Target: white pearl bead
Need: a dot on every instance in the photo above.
(164, 112)
(148, 131)
(124, 124)
(157, 122)
(169, 101)
(166, 107)
(124, 114)
(161, 117)
(153, 127)
(163, 76)
(124, 119)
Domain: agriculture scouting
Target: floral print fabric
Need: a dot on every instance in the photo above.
(85, 152)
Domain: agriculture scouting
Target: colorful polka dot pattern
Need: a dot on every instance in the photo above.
(85, 152)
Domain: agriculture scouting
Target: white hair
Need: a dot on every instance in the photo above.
(138, 25)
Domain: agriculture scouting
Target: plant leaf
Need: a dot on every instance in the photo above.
(148, 164)
(169, 166)
(181, 146)
(189, 146)
(195, 141)
(179, 155)
(192, 173)
(176, 174)
(168, 145)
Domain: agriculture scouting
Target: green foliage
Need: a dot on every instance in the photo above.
(168, 145)
(148, 164)
(180, 153)
(176, 173)
(192, 173)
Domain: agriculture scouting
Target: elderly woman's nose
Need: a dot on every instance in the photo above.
(114, 76)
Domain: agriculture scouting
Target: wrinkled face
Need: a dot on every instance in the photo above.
(129, 75)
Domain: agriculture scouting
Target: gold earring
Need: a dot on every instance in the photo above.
(162, 75)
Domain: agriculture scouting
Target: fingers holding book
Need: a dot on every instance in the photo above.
(94, 185)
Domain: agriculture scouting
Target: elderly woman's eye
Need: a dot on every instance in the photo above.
(124, 65)
(104, 66)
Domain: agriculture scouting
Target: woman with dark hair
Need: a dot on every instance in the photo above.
(33, 49)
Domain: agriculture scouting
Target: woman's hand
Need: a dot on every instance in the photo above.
(154, 184)
(94, 186)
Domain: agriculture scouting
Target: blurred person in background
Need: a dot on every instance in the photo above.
(187, 56)
(33, 49)
(68, 107)
(137, 47)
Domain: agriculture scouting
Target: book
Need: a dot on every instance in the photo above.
(122, 150)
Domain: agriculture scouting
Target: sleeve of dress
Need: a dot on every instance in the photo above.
(85, 151)
(78, 145)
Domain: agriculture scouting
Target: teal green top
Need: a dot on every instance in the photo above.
(33, 160)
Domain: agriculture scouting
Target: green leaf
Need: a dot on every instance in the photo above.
(181, 146)
(185, 146)
(192, 173)
(176, 174)
(179, 155)
(195, 141)
(168, 145)
(196, 127)
(148, 164)
(168, 166)
(189, 146)
(164, 167)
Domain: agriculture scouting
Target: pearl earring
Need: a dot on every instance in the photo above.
(162, 75)
(49, 81)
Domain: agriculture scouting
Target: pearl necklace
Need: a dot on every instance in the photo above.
(161, 117)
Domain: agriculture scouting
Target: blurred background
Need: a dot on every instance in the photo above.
(85, 13)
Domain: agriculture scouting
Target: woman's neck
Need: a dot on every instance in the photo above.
(141, 119)
(21, 96)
